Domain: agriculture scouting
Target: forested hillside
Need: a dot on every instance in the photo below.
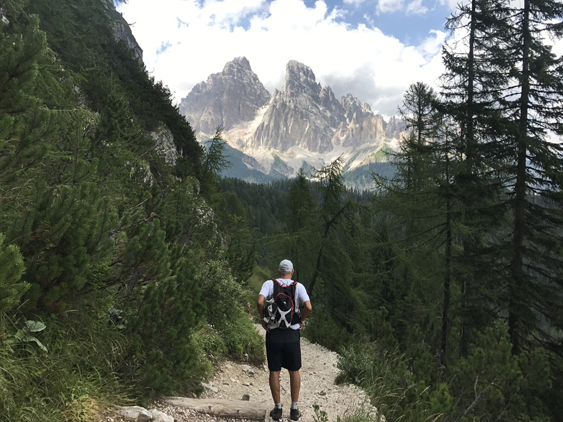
(117, 254)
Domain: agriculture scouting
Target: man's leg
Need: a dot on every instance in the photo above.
(275, 386)
(295, 384)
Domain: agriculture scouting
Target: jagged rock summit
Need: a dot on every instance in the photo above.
(301, 124)
(225, 99)
(301, 114)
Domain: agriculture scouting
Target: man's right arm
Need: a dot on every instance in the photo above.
(260, 306)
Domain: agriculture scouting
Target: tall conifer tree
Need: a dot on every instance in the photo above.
(534, 107)
(420, 201)
(300, 217)
(474, 82)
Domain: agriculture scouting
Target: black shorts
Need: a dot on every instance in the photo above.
(283, 354)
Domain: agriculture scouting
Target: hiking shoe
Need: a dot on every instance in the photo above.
(294, 414)
(276, 413)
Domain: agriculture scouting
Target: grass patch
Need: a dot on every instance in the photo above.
(74, 380)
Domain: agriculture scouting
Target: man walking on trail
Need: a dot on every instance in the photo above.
(283, 348)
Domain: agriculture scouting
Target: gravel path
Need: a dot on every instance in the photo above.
(234, 380)
(240, 381)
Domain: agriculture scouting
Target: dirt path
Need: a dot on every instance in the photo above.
(234, 380)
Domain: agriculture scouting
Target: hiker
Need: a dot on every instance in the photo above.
(284, 320)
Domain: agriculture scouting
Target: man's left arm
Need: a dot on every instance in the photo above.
(305, 311)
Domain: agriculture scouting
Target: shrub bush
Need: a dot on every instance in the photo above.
(226, 312)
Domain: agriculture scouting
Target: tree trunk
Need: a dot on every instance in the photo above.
(448, 275)
(516, 265)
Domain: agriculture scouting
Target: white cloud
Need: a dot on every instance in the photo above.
(558, 47)
(432, 45)
(363, 61)
(389, 6)
(354, 2)
(416, 8)
(452, 4)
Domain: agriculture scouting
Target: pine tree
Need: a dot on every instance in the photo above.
(52, 206)
(331, 213)
(23, 120)
(509, 90)
(166, 318)
(418, 209)
(299, 216)
(534, 174)
(419, 112)
(474, 83)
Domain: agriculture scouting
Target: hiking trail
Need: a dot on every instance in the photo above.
(233, 380)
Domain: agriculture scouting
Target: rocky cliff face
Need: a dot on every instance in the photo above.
(302, 114)
(225, 99)
(395, 127)
(354, 108)
(302, 122)
(122, 31)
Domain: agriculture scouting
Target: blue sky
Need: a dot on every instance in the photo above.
(373, 49)
(395, 18)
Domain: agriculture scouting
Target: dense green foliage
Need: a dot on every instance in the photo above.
(111, 219)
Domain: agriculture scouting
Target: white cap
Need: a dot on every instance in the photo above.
(285, 266)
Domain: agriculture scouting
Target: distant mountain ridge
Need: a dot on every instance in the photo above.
(303, 123)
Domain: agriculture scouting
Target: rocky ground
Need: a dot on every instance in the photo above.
(240, 381)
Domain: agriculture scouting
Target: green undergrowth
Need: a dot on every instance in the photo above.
(490, 384)
(251, 291)
(81, 364)
(230, 331)
(236, 339)
(360, 414)
(322, 329)
(74, 380)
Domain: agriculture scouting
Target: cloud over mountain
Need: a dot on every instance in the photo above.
(186, 40)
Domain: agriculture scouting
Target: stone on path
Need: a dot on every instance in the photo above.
(158, 416)
(248, 369)
(210, 387)
(135, 413)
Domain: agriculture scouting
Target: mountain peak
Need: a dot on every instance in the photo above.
(294, 65)
(226, 99)
(299, 78)
(241, 62)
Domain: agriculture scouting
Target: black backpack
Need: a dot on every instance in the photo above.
(280, 309)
